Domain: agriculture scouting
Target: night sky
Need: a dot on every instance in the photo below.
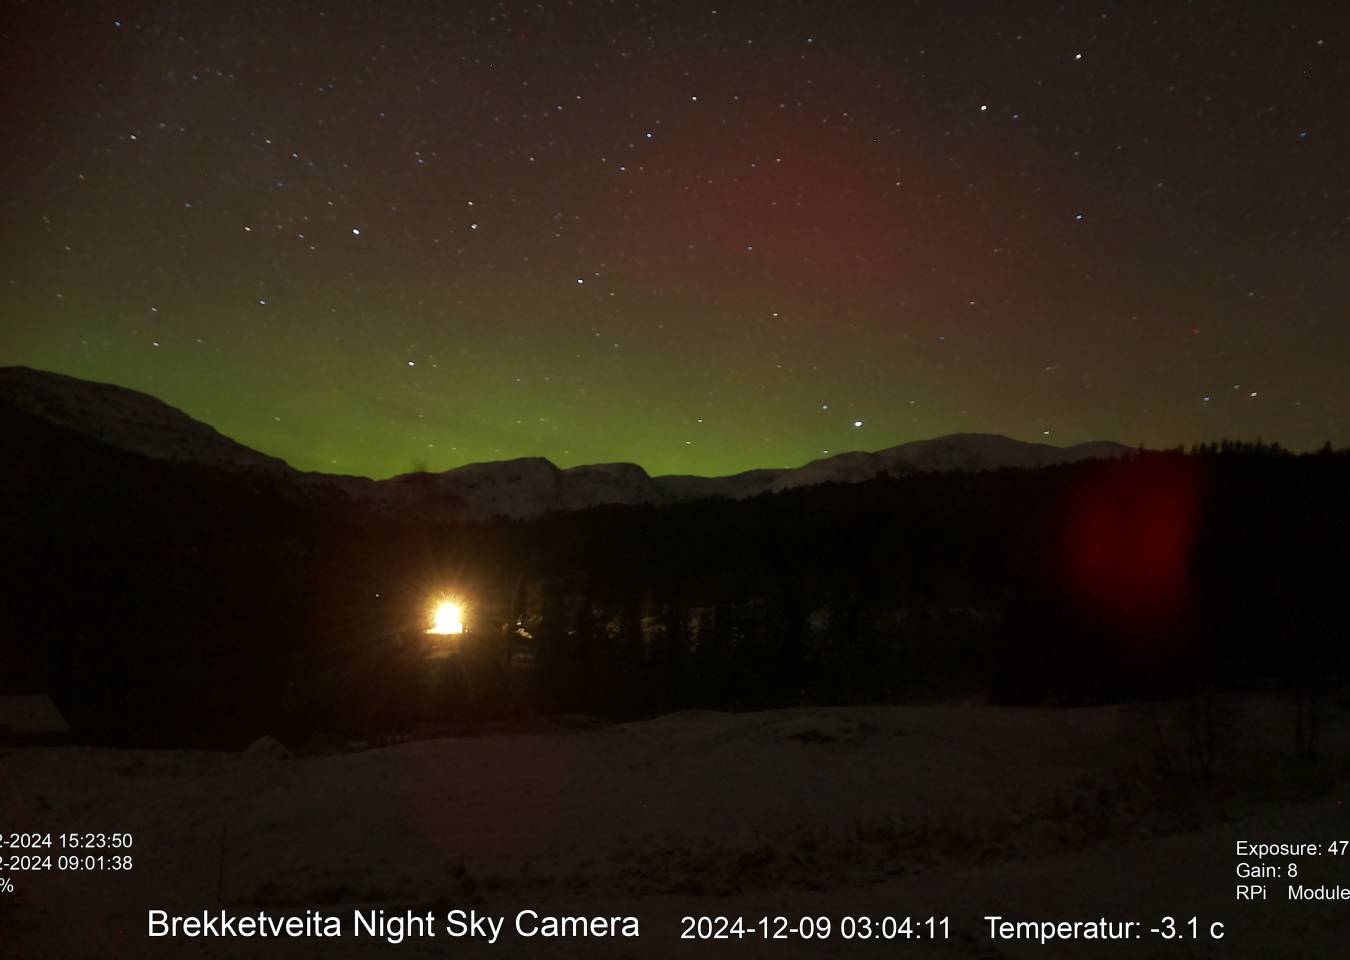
(703, 237)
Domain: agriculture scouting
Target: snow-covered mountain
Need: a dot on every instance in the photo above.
(128, 419)
(852, 467)
(738, 486)
(990, 451)
(524, 487)
(599, 483)
(959, 451)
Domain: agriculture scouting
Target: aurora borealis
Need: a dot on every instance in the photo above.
(376, 237)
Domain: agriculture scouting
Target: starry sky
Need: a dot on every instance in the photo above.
(704, 237)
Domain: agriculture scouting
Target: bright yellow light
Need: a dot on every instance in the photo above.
(447, 617)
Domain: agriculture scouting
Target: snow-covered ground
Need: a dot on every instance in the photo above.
(956, 810)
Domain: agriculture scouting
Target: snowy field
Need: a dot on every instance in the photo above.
(960, 811)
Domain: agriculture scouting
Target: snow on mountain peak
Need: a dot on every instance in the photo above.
(127, 419)
(523, 487)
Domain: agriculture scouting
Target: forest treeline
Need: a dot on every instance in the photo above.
(163, 604)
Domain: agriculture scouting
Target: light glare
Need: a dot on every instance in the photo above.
(447, 617)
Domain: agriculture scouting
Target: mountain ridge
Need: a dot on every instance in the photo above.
(522, 487)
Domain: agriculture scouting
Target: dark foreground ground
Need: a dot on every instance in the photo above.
(955, 811)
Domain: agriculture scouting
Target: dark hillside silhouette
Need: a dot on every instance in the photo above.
(163, 603)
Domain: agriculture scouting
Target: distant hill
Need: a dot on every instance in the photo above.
(139, 423)
(129, 420)
(958, 451)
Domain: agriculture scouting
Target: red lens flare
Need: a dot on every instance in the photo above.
(1130, 528)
